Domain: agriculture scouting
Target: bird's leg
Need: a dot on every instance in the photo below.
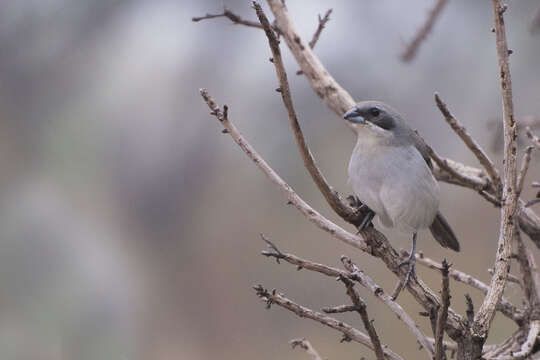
(411, 271)
(367, 213)
(366, 221)
(411, 261)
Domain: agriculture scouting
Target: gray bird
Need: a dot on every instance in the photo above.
(390, 172)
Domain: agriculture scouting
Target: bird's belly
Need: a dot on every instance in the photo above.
(397, 184)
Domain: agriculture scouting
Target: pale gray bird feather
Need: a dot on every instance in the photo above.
(390, 172)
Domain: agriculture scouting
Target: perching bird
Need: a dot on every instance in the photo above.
(390, 172)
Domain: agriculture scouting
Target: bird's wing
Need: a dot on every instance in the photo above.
(421, 146)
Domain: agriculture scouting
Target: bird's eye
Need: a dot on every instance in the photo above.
(374, 111)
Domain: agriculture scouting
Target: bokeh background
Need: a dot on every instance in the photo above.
(129, 224)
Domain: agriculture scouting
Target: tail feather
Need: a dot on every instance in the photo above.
(442, 232)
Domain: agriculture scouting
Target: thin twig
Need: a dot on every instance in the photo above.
(361, 308)
(306, 345)
(273, 297)
(534, 139)
(312, 215)
(367, 282)
(331, 196)
(484, 316)
(324, 85)
(529, 275)
(525, 161)
(505, 307)
(231, 16)
(355, 274)
(423, 32)
(322, 22)
(442, 314)
(461, 131)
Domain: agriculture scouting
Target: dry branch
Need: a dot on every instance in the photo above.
(347, 330)
(484, 316)
(471, 144)
(528, 345)
(443, 312)
(231, 16)
(529, 276)
(322, 23)
(353, 273)
(361, 308)
(291, 195)
(331, 196)
(423, 32)
(306, 345)
(504, 306)
(525, 162)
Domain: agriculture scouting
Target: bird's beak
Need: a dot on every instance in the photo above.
(353, 116)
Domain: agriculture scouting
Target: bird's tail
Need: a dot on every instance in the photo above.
(442, 232)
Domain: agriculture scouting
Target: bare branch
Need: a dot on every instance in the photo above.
(361, 308)
(331, 196)
(306, 345)
(523, 170)
(511, 278)
(291, 195)
(339, 309)
(442, 313)
(347, 330)
(322, 23)
(367, 282)
(484, 316)
(324, 85)
(471, 144)
(317, 34)
(231, 16)
(535, 140)
(353, 273)
(505, 307)
(527, 346)
(423, 32)
(529, 274)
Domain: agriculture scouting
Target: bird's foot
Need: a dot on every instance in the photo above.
(366, 221)
(411, 271)
(364, 210)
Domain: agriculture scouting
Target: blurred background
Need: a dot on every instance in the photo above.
(130, 225)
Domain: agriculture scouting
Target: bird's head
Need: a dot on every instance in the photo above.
(374, 117)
